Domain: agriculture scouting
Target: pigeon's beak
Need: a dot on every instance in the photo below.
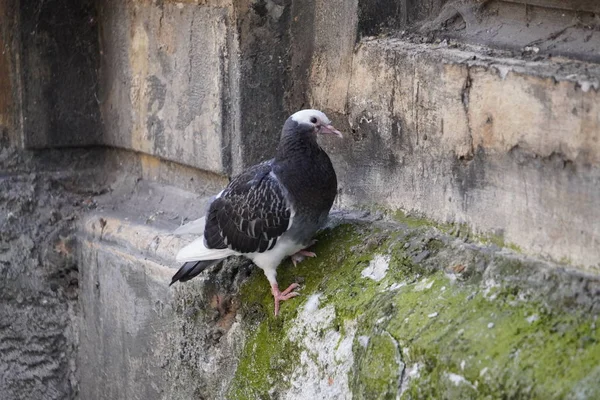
(330, 129)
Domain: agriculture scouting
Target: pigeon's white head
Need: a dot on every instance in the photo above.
(316, 120)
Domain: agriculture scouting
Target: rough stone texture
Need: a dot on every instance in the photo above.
(388, 308)
(39, 200)
(443, 131)
(501, 143)
(163, 79)
(436, 128)
(380, 16)
(9, 86)
(201, 84)
(264, 78)
(542, 27)
(135, 330)
(123, 321)
(446, 320)
(59, 59)
(499, 140)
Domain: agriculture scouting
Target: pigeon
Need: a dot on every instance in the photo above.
(270, 211)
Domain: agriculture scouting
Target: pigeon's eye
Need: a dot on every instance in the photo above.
(313, 120)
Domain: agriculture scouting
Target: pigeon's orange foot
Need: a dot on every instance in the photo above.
(300, 256)
(282, 296)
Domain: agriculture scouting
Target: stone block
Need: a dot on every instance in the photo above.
(164, 80)
(509, 147)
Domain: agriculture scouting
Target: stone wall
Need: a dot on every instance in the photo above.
(472, 147)
(199, 84)
(9, 88)
(41, 196)
(388, 309)
(504, 142)
(58, 65)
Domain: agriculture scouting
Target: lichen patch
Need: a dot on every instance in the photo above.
(377, 268)
(327, 356)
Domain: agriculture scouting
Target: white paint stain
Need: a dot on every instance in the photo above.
(489, 286)
(503, 71)
(396, 286)
(411, 372)
(587, 85)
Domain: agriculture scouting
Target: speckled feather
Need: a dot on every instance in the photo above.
(256, 207)
(250, 214)
(270, 211)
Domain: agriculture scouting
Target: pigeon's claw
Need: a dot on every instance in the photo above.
(289, 289)
(282, 296)
(301, 255)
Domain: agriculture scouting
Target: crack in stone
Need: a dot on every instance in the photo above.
(465, 97)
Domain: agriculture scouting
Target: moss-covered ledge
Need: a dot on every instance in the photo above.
(390, 310)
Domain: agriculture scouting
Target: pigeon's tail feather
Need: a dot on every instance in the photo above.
(191, 269)
(197, 251)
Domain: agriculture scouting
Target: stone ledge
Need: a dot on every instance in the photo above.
(141, 241)
(386, 309)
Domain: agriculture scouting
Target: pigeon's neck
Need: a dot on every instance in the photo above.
(297, 147)
(306, 172)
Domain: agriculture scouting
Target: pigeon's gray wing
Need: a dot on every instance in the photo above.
(250, 214)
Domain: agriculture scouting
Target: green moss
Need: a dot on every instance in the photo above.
(264, 363)
(497, 240)
(454, 229)
(466, 340)
(269, 356)
(452, 331)
(413, 221)
(377, 368)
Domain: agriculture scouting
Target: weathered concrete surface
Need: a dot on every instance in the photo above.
(58, 65)
(508, 147)
(388, 308)
(9, 82)
(506, 143)
(164, 79)
(124, 317)
(202, 84)
(541, 27)
(268, 90)
(380, 16)
(135, 332)
(409, 314)
(39, 201)
(459, 134)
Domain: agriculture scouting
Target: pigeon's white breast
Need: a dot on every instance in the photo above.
(270, 259)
